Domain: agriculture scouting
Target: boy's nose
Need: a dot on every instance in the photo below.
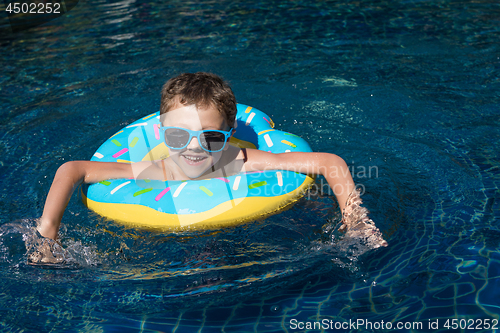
(193, 144)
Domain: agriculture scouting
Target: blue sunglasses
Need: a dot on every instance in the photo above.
(211, 141)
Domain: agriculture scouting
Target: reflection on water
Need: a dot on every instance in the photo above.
(175, 267)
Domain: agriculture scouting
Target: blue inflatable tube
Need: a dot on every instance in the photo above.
(204, 203)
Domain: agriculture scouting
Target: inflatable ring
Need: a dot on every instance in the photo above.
(205, 203)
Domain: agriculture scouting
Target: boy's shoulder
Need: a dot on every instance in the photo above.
(257, 160)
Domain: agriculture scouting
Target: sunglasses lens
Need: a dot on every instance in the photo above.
(176, 137)
(212, 141)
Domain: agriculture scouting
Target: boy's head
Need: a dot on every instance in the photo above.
(197, 103)
(204, 90)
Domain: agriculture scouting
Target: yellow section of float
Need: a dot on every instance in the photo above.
(228, 213)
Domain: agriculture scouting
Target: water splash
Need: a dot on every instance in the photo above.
(12, 246)
(20, 243)
(193, 268)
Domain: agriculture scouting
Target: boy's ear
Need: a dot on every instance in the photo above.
(232, 133)
(229, 138)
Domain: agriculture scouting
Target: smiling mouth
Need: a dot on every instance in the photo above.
(194, 160)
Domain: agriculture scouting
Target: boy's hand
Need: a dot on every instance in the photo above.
(43, 254)
(355, 219)
(43, 250)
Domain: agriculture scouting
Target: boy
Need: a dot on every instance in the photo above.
(198, 114)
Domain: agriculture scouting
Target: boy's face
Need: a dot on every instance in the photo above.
(193, 160)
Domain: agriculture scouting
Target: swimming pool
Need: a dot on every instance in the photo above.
(407, 92)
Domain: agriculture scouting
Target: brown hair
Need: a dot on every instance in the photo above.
(201, 89)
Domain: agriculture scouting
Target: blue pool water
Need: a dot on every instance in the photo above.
(407, 92)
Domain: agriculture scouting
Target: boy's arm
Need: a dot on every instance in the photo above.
(336, 172)
(331, 166)
(68, 177)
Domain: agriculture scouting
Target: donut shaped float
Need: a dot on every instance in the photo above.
(207, 203)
